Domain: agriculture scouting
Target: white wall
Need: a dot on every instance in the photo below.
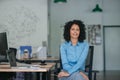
(82, 9)
(111, 12)
(25, 22)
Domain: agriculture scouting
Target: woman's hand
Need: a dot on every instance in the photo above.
(63, 74)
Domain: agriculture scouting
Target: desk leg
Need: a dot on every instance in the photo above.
(56, 71)
(44, 76)
(49, 75)
(28, 75)
(38, 75)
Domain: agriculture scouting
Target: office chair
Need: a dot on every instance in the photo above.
(88, 65)
(8, 75)
(89, 62)
(12, 51)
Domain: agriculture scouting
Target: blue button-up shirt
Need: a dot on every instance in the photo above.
(73, 57)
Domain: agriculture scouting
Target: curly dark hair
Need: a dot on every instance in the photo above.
(68, 26)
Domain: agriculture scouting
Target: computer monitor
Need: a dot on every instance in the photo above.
(3, 46)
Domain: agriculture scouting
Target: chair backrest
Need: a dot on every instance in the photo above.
(89, 62)
(12, 56)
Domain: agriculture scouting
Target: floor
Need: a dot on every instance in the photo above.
(108, 75)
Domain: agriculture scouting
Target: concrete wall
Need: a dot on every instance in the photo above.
(25, 21)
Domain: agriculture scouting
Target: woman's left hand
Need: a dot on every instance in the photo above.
(63, 74)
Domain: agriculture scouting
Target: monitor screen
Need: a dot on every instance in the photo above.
(3, 46)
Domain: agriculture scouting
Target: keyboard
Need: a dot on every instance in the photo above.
(4, 63)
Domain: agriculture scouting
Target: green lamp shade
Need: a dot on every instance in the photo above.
(97, 9)
(56, 1)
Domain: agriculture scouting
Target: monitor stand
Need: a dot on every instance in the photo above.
(43, 62)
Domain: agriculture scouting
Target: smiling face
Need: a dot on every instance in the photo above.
(74, 31)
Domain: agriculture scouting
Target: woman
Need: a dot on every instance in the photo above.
(74, 51)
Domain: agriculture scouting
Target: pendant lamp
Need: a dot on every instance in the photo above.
(97, 9)
(56, 1)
